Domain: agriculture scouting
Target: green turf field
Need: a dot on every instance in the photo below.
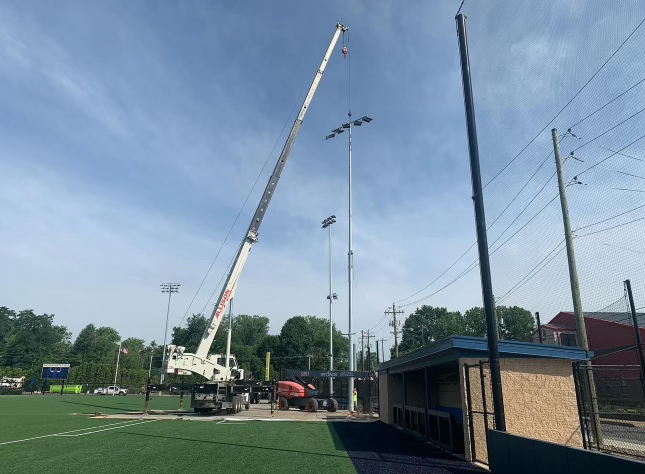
(66, 442)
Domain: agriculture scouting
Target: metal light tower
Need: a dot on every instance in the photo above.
(350, 254)
(326, 224)
(169, 288)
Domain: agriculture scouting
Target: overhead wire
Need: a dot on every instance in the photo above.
(259, 175)
(568, 103)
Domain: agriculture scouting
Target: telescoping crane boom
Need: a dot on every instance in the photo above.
(213, 367)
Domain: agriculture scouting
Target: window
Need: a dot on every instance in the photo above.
(567, 339)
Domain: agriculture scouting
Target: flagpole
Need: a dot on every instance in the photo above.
(118, 356)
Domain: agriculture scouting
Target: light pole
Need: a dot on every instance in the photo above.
(169, 288)
(327, 223)
(350, 254)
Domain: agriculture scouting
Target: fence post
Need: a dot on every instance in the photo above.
(594, 414)
(469, 409)
(576, 384)
(639, 343)
(181, 400)
(147, 396)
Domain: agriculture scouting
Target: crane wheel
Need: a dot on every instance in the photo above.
(332, 404)
(247, 405)
(238, 405)
(283, 404)
(312, 405)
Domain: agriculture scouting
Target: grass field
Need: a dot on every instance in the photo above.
(41, 433)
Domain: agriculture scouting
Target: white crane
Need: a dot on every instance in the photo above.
(210, 366)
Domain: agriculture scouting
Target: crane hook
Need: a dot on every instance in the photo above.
(345, 51)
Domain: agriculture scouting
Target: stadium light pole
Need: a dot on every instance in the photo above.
(326, 224)
(169, 288)
(350, 254)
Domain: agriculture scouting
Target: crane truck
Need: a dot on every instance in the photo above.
(223, 388)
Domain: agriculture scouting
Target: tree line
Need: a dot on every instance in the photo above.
(28, 340)
(429, 324)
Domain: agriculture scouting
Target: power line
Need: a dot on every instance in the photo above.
(610, 218)
(488, 228)
(530, 274)
(613, 154)
(609, 130)
(612, 227)
(608, 103)
(568, 103)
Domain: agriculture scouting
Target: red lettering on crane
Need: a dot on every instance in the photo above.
(222, 304)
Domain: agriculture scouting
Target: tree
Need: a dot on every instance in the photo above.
(190, 336)
(516, 324)
(97, 345)
(6, 324)
(429, 324)
(134, 358)
(34, 340)
(475, 322)
(296, 339)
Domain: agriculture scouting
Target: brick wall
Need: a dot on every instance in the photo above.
(539, 401)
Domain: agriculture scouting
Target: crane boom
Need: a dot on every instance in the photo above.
(196, 362)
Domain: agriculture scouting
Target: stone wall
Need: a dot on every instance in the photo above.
(539, 401)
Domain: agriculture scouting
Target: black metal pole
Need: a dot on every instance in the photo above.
(147, 396)
(537, 316)
(480, 222)
(576, 384)
(637, 332)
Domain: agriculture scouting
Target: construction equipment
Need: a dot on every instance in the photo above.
(223, 389)
(298, 393)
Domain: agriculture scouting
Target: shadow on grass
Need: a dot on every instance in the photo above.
(373, 462)
(130, 408)
(380, 448)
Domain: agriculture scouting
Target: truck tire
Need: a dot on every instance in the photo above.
(283, 404)
(237, 406)
(247, 406)
(312, 405)
(332, 405)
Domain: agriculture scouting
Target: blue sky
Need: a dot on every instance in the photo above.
(131, 132)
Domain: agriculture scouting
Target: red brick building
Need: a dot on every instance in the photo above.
(607, 334)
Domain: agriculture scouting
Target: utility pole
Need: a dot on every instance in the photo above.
(169, 288)
(537, 316)
(362, 350)
(383, 349)
(395, 324)
(581, 331)
(369, 350)
(639, 342)
(480, 224)
(378, 358)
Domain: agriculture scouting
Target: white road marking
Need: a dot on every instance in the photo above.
(63, 433)
(104, 429)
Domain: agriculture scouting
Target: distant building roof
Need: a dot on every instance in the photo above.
(454, 347)
(622, 317)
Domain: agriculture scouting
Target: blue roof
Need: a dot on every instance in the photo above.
(466, 346)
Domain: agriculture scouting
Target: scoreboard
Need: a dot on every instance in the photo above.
(55, 371)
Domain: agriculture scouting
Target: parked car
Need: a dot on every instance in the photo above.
(112, 390)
